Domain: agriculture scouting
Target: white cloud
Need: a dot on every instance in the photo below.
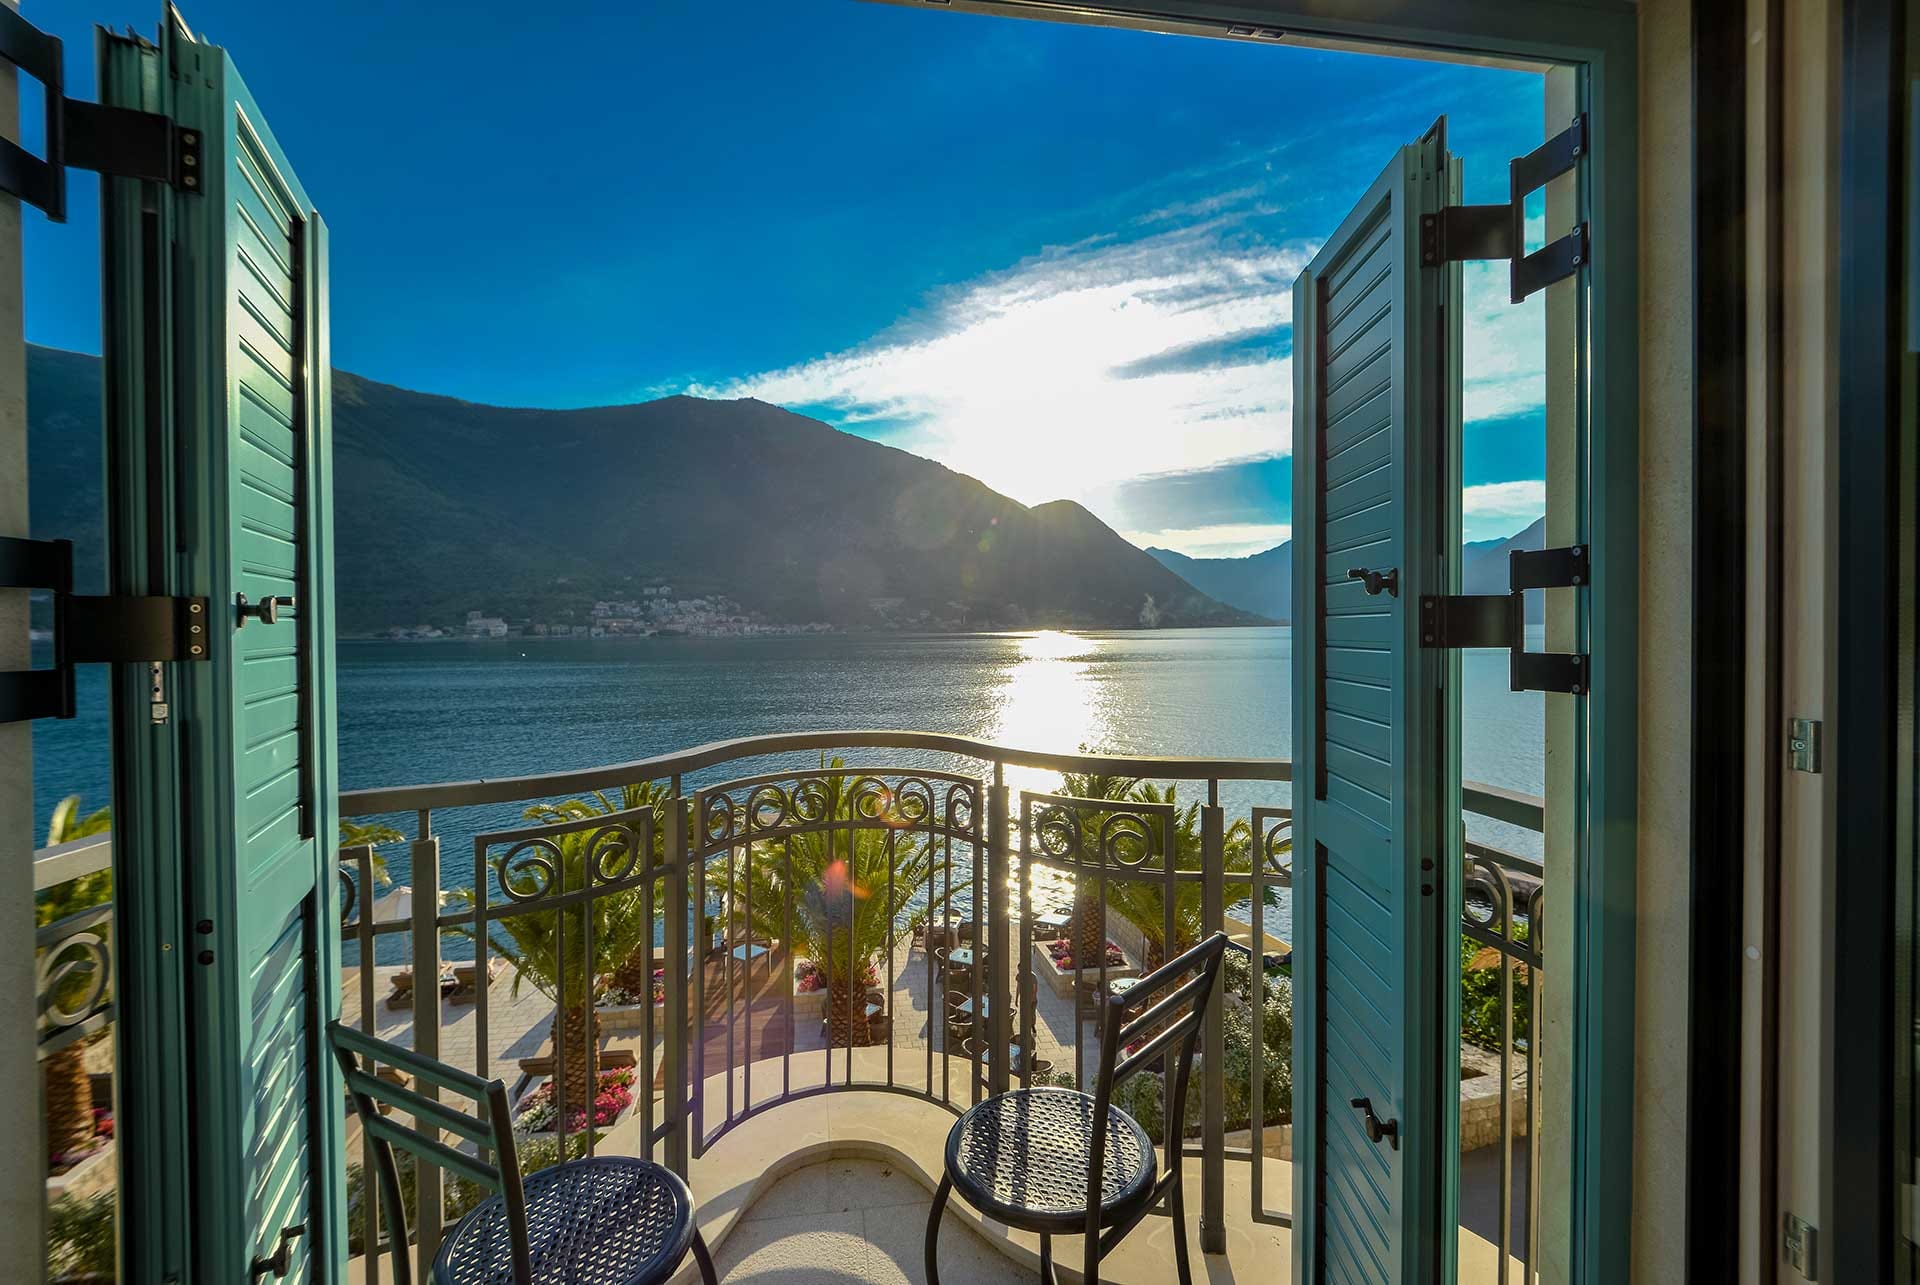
(1498, 509)
(1112, 359)
(1018, 378)
(1227, 540)
(1503, 357)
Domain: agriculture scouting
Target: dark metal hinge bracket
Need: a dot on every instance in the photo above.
(89, 629)
(1461, 232)
(117, 141)
(1499, 620)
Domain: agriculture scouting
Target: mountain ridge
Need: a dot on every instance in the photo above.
(444, 506)
(1262, 583)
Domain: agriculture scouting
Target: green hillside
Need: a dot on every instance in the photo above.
(445, 507)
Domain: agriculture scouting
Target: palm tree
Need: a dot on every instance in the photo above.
(844, 918)
(367, 834)
(1140, 899)
(537, 940)
(69, 1086)
(630, 973)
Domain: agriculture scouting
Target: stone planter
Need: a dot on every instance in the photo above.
(1062, 981)
(810, 1004)
(630, 1019)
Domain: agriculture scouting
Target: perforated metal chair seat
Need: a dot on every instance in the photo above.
(1023, 1157)
(609, 1220)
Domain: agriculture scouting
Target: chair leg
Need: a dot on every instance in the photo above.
(933, 1229)
(702, 1257)
(1178, 1200)
(1046, 1259)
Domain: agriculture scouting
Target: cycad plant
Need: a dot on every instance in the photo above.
(1089, 915)
(537, 940)
(843, 917)
(630, 973)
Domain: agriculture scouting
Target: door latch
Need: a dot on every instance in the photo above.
(266, 611)
(1375, 581)
(280, 1261)
(1376, 1129)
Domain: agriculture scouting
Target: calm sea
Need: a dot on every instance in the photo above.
(412, 713)
(415, 713)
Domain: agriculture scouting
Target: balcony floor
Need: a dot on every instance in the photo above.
(907, 1135)
(852, 1220)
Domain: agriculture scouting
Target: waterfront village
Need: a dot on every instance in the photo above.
(655, 613)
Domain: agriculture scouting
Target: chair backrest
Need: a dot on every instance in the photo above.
(489, 1126)
(1170, 1007)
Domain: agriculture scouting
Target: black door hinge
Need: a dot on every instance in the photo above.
(1499, 620)
(89, 629)
(117, 141)
(1461, 232)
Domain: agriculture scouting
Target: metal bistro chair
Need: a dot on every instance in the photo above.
(1059, 1161)
(617, 1220)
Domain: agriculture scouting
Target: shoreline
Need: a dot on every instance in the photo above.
(823, 633)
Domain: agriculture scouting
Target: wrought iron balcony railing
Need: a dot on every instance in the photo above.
(803, 914)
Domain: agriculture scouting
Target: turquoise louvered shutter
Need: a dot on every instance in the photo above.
(217, 359)
(1372, 420)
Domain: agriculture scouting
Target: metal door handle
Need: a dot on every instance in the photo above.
(280, 1261)
(1375, 1129)
(1375, 581)
(266, 611)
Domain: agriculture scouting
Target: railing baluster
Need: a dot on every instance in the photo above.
(1536, 940)
(643, 1086)
(482, 1012)
(674, 1044)
(697, 864)
(893, 941)
(557, 1076)
(1213, 1068)
(746, 917)
(429, 1202)
(999, 930)
(856, 975)
(977, 1070)
(786, 1052)
(369, 1195)
(729, 906)
(1257, 1004)
(1506, 1077)
(936, 1002)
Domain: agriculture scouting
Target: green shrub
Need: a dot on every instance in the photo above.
(1143, 1096)
(1480, 997)
(81, 1238)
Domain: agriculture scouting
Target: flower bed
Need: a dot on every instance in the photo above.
(624, 1013)
(1053, 962)
(536, 1114)
(810, 987)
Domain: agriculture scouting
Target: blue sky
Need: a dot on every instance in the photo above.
(1057, 258)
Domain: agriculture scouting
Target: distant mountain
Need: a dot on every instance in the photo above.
(1485, 567)
(444, 507)
(1262, 583)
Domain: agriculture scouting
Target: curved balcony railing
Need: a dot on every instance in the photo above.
(872, 910)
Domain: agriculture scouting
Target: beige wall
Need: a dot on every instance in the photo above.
(1666, 480)
(1807, 399)
(21, 1245)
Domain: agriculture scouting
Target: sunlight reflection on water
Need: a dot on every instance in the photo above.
(1047, 700)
